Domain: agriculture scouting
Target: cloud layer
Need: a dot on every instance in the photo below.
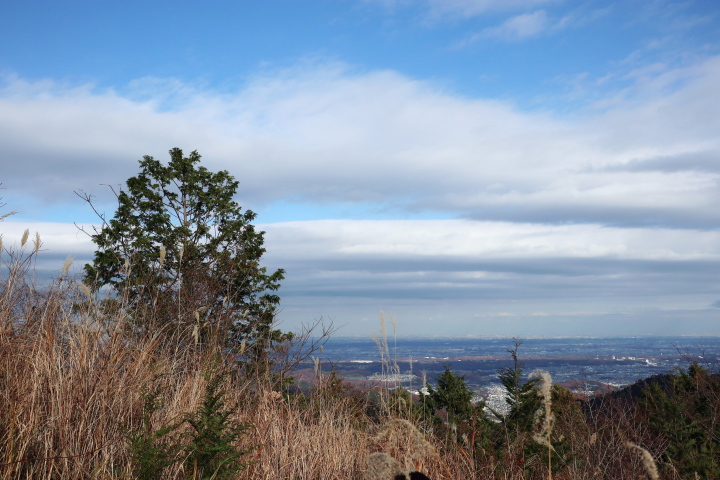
(607, 211)
(326, 134)
(481, 277)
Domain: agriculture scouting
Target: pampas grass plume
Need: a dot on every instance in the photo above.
(163, 252)
(24, 238)
(543, 436)
(647, 459)
(86, 290)
(66, 266)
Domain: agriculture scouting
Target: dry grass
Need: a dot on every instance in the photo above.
(71, 381)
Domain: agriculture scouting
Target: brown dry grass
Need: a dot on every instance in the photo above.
(71, 381)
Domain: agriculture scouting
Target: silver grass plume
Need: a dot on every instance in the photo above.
(545, 392)
(86, 290)
(163, 252)
(316, 365)
(647, 459)
(546, 424)
(66, 266)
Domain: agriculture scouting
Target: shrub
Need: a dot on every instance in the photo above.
(211, 453)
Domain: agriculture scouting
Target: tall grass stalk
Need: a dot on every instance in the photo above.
(544, 416)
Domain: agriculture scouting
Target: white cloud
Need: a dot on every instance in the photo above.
(325, 134)
(519, 27)
(471, 240)
(464, 8)
(453, 269)
(533, 24)
(471, 8)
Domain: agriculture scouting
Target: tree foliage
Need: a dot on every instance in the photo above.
(211, 454)
(151, 451)
(184, 256)
(687, 416)
(521, 396)
(453, 395)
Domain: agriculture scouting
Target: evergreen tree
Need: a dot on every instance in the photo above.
(211, 454)
(150, 449)
(514, 437)
(467, 426)
(521, 397)
(184, 257)
(453, 395)
(687, 415)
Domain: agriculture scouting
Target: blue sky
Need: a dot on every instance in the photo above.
(473, 167)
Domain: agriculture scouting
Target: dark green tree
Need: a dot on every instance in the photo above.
(514, 443)
(521, 396)
(151, 451)
(467, 427)
(211, 454)
(687, 415)
(183, 257)
(453, 395)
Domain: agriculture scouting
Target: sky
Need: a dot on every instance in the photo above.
(472, 167)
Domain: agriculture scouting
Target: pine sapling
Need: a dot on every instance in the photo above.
(150, 451)
(211, 453)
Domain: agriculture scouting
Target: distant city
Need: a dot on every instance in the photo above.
(585, 365)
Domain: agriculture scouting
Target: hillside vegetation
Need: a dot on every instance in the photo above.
(85, 395)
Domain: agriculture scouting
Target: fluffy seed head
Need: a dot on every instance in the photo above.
(24, 238)
(66, 266)
(546, 423)
(648, 461)
(86, 290)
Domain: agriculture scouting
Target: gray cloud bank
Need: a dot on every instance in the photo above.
(475, 277)
(609, 212)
